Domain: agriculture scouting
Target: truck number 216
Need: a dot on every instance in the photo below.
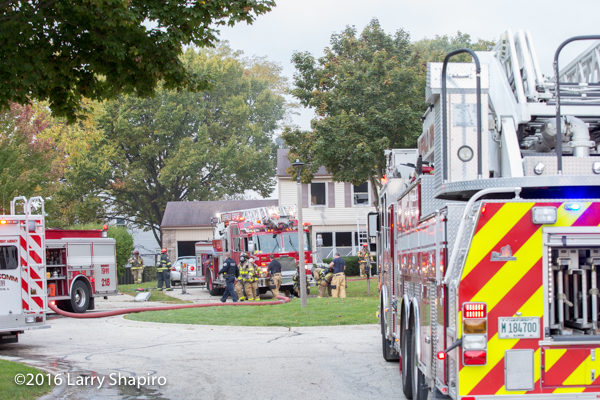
(105, 282)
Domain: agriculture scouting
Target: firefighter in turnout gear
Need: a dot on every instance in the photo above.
(137, 267)
(319, 274)
(274, 269)
(364, 260)
(163, 269)
(239, 289)
(296, 280)
(249, 273)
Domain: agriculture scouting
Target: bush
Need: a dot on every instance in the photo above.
(352, 268)
(124, 246)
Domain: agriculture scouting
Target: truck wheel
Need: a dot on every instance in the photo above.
(389, 354)
(419, 390)
(406, 364)
(80, 297)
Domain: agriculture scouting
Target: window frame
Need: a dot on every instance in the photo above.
(368, 202)
(310, 194)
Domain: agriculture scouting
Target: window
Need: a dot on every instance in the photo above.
(290, 241)
(317, 194)
(8, 257)
(361, 194)
(343, 239)
(269, 243)
(327, 239)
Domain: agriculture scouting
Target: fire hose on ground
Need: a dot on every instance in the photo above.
(102, 314)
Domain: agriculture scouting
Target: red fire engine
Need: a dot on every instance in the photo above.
(38, 265)
(264, 233)
(489, 261)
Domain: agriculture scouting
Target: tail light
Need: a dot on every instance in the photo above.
(474, 339)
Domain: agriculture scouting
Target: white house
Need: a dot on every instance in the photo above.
(337, 211)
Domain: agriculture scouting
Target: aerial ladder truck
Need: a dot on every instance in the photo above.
(488, 234)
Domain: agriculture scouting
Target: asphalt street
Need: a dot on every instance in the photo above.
(115, 358)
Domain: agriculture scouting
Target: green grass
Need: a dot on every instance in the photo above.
(155, 295)
(356, 309)
(10, 390)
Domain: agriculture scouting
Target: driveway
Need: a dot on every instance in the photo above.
(172, 361)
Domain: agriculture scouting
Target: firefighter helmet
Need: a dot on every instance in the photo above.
(365, 244)
(163, 251)
(136, 251)
(243, 257)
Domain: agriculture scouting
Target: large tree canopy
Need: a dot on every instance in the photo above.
(189, 145)
(366, 92)
(63, 51)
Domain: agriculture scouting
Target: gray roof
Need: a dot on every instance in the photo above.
(283, 164)
(199, 213)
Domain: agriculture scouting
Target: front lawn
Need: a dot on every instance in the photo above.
(10, 390)
(356, 309)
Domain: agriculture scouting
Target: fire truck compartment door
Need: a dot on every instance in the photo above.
(10, 280)
(79, 255)
(575, 366)
(104, 267)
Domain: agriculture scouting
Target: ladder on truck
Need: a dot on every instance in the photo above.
(33, 254)
(258, 214)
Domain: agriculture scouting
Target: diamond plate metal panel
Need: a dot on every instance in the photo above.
(571, 166)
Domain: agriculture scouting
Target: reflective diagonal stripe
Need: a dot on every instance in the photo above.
(493, 231)
(508, 276)
(552, 357)
(590, 217)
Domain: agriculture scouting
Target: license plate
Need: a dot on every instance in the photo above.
(518, 327)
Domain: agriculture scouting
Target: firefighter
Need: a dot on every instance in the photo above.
(230, 272)
(239, 289)
(338, 283)
(328, 278)
(318, 274)
(250, 274)
(163, 271)
(274, 269)
(364, 260)
(296, 280)
(137, 266)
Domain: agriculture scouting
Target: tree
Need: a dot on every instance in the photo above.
(436, 49)
(63, 51)
(75, 197)
(192, 146)
(26, 158)
(367, 93)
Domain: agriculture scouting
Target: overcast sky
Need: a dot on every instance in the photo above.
(307, 25)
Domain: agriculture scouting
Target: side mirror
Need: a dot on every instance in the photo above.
(373, 223)
(251, 247)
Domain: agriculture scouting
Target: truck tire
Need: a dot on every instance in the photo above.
(80, 297)
(406, 364)
(389, 354)
(419, 389)
(212, 289)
